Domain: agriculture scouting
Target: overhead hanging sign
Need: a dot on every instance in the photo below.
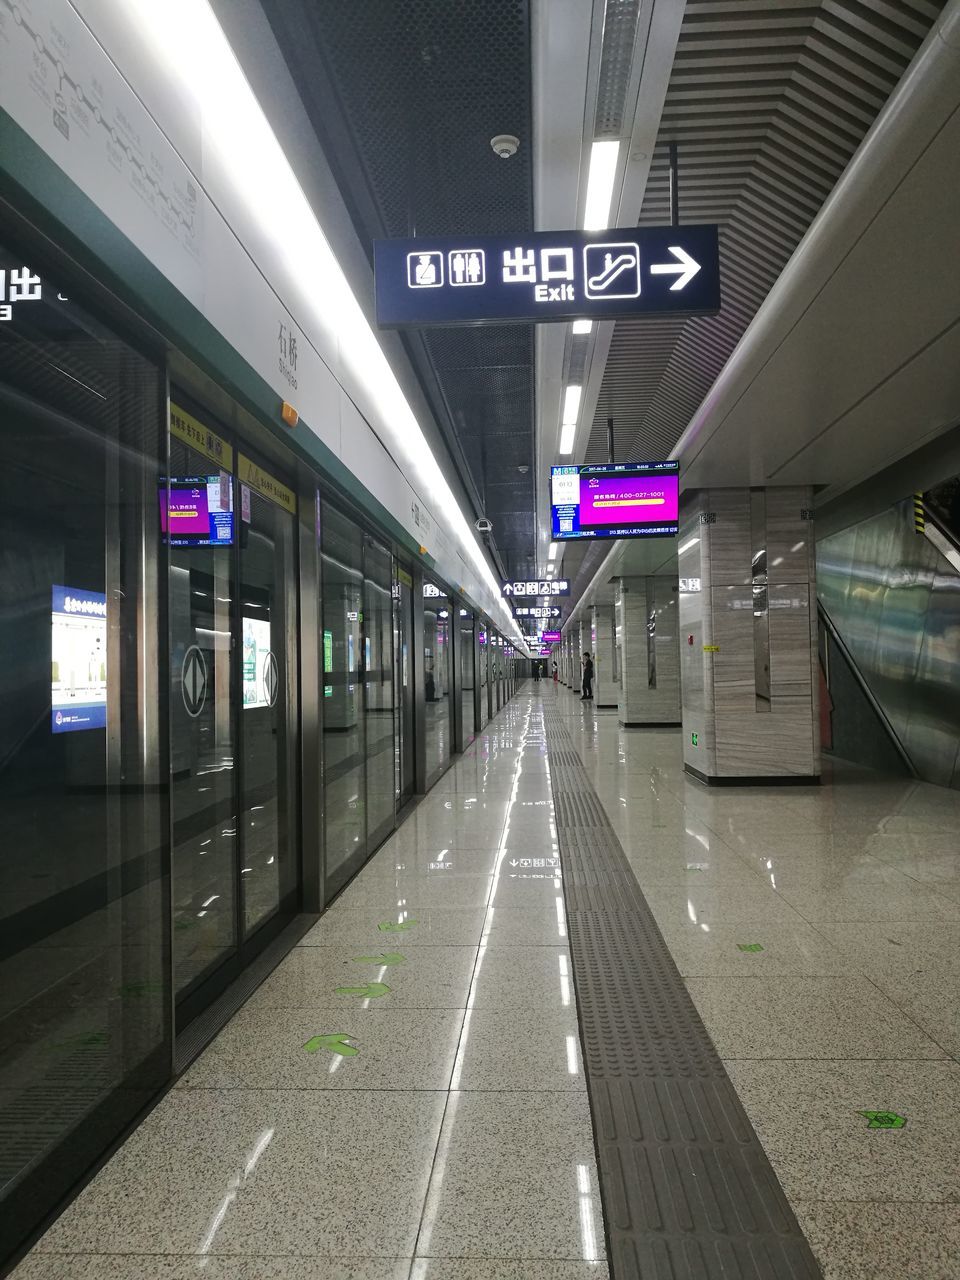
(537, 587)
(540, 612)
(547, 275)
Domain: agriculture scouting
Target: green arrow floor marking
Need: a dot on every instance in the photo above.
(391, 957)
(883, 1119)
(336, 1043)
(388, 926)
(749, 946)
(369, 990)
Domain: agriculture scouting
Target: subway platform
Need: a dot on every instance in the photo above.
(432, 1085)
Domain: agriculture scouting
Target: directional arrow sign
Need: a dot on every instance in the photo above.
(391, 957)
(336, 1043)
(548, 275)
(369, 990)
(685, 268)
(883, 1119)
(390, 926)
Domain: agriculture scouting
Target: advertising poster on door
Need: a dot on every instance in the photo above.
(259, 665)
(78, 668)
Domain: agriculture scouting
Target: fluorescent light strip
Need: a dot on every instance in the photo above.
(582, 326)
(554, 548)
(186, 39)
(567, 436)
(603, 170)
(571, 404)
(691, 542)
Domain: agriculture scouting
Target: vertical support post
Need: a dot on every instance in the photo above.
(419, 689)
(311, 697)
(610, 447)
(674, 187)
(456, 677)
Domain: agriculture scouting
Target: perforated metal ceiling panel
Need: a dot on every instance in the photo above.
(768, 100)
(405, 96)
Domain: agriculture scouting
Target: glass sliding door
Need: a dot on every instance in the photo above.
(84, 892)
(468, 675)
(378, 690)
(231, 528)
(436, 678)
(344, 749)
(403, 683)
(268, 846)
(202, 711)
(484, 660)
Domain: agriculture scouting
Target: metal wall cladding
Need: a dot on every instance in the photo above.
(896, 602)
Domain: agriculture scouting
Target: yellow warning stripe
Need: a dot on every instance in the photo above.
(919, 518)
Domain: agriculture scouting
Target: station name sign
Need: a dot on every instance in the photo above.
(538, 587)
(547, 275)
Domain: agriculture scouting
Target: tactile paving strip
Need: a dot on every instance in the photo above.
(688, 1192)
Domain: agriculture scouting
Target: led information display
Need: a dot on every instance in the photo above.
(197, 511)
(78, 669)
(629, 500)
(547, 275)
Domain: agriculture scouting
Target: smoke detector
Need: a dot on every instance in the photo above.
(505, 145)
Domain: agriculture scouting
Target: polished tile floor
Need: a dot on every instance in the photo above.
(818, 932)
(404, 1099)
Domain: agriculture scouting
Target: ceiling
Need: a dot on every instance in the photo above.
(405, 96)
(767, 102)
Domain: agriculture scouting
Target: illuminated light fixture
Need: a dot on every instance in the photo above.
(289, 414)
(188, 44)
(571, 404)
(603, 170)
(582, 326)
(568, 422)
(691, 542)
(554, 548)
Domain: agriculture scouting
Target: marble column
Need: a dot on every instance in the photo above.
(748, 621)
(605, 682)
(647, 619)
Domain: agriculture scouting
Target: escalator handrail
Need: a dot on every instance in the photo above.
(865, 688)
(933, 517)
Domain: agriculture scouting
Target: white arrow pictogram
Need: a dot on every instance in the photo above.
(685, 268)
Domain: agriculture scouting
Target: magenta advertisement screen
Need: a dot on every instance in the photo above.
(197, 511)
(606, 500)
(186, 512)
(616, 501)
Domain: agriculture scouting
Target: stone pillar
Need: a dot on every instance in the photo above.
(648, 621)
(604, 657)
(748, 620)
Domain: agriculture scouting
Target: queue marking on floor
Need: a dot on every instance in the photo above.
(391, 958)
(334, 1043)
(369, 990)
(391, 926)
(883, 1119)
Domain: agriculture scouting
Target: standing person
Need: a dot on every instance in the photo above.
(587, 695)
(536, 672)
(556, 675)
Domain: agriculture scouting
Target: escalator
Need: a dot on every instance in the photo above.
(889, 638)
